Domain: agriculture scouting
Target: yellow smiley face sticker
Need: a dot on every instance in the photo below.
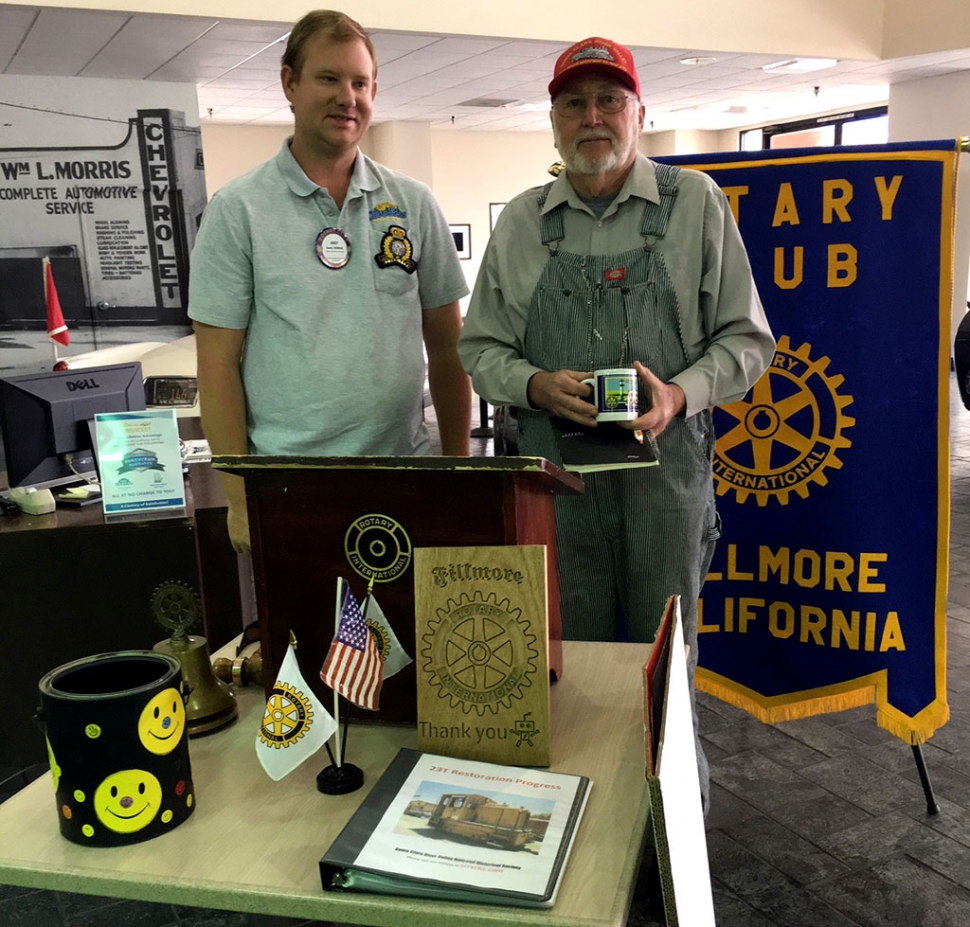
(162, 722)
(55, 769)
(128, 800)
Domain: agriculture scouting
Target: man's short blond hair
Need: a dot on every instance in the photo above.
(338, 27)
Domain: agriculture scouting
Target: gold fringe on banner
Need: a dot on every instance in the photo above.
(798, 705)
(963, 144)
(914, 730)
(790, 707)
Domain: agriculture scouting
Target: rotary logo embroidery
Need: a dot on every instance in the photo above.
(396, 250)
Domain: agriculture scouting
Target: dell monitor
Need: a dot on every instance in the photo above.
(45, 420)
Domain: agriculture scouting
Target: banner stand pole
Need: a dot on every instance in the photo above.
(932, 807)
(483, 430)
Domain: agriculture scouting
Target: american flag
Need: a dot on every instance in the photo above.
(353, 666)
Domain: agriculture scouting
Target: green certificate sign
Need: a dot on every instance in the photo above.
(140, 461)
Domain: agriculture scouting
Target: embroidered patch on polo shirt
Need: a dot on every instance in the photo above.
(386, 211)
(396, 250)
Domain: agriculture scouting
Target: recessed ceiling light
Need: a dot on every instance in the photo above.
(800, 65)
(699, 59)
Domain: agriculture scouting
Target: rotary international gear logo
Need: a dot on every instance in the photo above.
(381, 638)
(176, 606)
(288, 717)
(378, 548)
(479, 653)
(786, 433)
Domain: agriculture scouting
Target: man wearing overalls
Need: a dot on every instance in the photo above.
(620, 262)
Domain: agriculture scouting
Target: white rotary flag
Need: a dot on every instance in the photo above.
(295, 725)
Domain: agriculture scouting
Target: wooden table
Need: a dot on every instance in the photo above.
(253, 844)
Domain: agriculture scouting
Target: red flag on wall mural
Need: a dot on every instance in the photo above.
(56, 329)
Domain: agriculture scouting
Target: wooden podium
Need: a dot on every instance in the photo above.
(312, 519)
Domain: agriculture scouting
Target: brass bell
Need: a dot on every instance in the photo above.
(211, 704)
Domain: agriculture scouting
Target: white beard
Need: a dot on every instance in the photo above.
(616, 157)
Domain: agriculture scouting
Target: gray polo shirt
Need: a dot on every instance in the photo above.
(722, 321)
(333, 362)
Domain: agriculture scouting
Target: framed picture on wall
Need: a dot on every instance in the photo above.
(463, 240)
(494, 210)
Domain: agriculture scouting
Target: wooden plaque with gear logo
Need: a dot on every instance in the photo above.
(481, 642)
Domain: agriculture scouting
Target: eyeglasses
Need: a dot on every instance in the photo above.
(574, 105)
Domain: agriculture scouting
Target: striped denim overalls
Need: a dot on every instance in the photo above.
(635, 536)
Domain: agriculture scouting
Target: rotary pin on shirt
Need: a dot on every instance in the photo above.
(333, 248)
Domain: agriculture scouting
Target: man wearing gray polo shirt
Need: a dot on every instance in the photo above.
(318, 278)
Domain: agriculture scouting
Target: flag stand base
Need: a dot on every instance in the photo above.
(339, 780)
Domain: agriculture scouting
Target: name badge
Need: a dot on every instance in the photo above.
(333, 248)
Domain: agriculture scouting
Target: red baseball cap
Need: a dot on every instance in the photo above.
(595, 54)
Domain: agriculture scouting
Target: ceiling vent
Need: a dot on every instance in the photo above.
(489, 103)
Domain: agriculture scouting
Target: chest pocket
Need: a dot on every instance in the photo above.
(392, 258)
(582, 325)
(626, 321)
(560, 333)
(631, 312)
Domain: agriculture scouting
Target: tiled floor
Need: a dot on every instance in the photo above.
(813, 823)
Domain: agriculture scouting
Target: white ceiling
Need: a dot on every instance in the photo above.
(433, 78)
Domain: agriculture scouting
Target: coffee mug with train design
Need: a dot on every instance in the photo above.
(615, 394)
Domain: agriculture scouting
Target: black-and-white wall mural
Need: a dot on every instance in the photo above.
(109, 183)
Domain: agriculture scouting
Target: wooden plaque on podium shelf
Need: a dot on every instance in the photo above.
(312, 519)
(482, 638)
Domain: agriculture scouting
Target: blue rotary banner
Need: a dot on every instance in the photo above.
(828, 587)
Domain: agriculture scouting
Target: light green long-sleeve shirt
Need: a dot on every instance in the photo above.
(723, 323)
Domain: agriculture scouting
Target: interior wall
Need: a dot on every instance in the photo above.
(231, 151)
(928, 26)
(728, 140)
(474, 169)
(687, 141)
(933, 108)
(404, 147)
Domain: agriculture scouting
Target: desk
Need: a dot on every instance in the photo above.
(73, 585)
(253, 844)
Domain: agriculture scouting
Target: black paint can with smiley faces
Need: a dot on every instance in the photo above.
(118, 746)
